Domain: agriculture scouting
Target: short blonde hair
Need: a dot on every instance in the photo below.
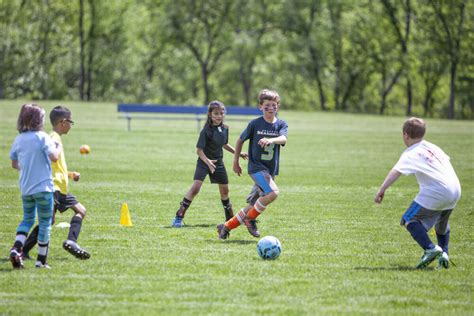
(414, 127)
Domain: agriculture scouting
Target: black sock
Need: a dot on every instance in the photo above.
(443, 240)
(229, 212)
(75, 229)
(31, 240)
(185, 203)
(419, 233)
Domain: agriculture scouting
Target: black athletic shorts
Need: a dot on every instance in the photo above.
(219, 176)
(63, 202)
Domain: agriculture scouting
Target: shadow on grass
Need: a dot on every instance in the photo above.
(392, 268)
(192, 226)
(235, 241)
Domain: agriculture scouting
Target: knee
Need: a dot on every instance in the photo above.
(273, 195)
(225, 191)
(80, 210)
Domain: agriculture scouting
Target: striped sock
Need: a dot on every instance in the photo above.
(235, 221)
(256, 210)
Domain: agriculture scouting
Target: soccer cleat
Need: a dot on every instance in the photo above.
(443, 261)
(429, 256)
(74, 249)
(177, 222)
(251, 225)
(222, 231)
(41, 265)
(16, 258)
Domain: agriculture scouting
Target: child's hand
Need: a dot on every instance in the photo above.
(264, 142)
(379, 197)
(244, 156)
(211, 165)
(237, 169)
(76, 176)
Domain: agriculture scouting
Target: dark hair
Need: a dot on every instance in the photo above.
(31, 118)
(267, 94)
(211, 107)
(414, 127)
(58, 114)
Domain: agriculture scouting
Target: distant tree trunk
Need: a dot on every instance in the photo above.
(335, 9)
(82, 76)
(453, 30)
(350, 86)
(246, 80)
(409, 96)
(452, 89)
(317, 76)
(386, 90)
(205, 76)
(403, 41)
(91, 39)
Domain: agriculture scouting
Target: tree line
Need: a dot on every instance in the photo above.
(411, 57)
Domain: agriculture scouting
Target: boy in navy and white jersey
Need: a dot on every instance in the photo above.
(440, 190)
(265, 134)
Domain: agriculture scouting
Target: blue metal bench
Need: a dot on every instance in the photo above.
(197, 113)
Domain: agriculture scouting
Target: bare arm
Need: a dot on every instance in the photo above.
(15, 165)
(238, 150)
(55, 155)
(231, 149)
(280, 140)
(207, 161)
(392, 176)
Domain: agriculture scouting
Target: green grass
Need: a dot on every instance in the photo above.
(342, 254)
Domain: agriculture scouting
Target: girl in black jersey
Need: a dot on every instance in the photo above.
(213, 137)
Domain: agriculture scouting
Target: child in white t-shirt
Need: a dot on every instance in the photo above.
(440, 190)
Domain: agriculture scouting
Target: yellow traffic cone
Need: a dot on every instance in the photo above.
(125, 219)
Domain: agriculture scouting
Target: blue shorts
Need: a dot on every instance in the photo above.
(428, 218)
(261, 187)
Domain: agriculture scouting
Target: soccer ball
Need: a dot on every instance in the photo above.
(84, 149)
(269, 248)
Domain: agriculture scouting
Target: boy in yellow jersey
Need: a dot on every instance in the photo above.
(61, 120)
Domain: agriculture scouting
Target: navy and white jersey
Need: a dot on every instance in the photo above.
(211, 139)
(264, 159)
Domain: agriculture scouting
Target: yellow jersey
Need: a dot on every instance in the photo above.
(60, 173)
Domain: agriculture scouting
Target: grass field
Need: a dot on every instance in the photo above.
(342, 254)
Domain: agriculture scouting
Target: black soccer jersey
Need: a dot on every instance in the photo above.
(261, 159)
(211, 139)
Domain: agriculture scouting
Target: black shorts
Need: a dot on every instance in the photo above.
(219, 176)
(63, 202)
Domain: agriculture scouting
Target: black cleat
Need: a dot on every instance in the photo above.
(251, 225)
(16, 259)
(74, 249)
(222, 231)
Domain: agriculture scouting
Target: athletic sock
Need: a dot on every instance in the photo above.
(184, 205)
(19, 241)
(228, 211)
(235, 221)
(443, 240)
(256, 210)
(42, 252)
(75, 229)
(31, 240)
(418, 232)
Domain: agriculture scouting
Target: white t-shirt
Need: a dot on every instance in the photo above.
(439, 186)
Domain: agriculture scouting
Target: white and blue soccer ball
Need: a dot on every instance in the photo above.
(269, 248)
